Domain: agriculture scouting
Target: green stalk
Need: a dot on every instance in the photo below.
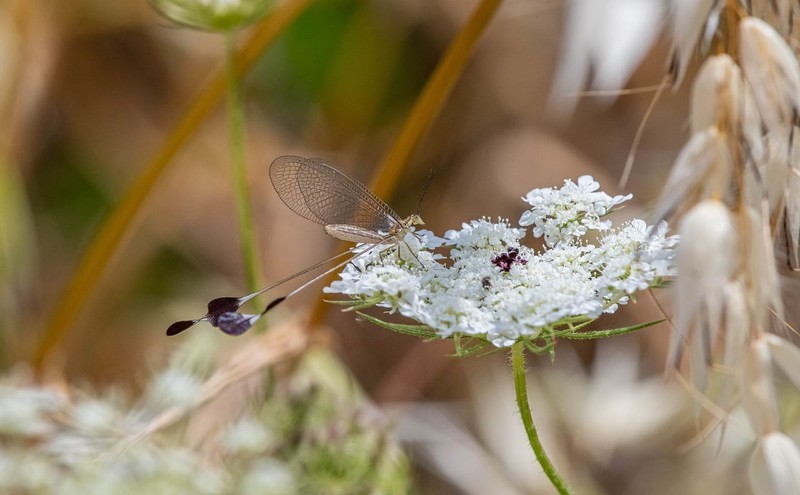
(244, 208)
(518, 364)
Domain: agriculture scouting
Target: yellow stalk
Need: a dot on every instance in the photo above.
(432, 98)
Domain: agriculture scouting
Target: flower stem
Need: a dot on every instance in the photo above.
(244, 209)
(518, 364)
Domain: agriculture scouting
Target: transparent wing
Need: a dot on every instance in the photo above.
(320, 193)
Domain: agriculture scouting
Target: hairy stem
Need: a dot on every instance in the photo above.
(244, 206)
(518, 365)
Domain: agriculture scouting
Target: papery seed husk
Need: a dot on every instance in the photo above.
(701, 170)
(792, 202)
(772, 71)
(737, 325)
(775, 465)
(762, 291)
(717, 94)
(707, 228)
(786, 356)
(773, 170)
(622, 44)
(688, 19)
(758, 392)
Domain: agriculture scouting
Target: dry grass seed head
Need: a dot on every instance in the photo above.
(771, 69)
(758, 267)
(758, 391)
(736, 330)
(792, 202)
(701, 171)
(775, 465)
(772, 167)
(688, 20)
(717, 94)
(709, 227)
(786, 356)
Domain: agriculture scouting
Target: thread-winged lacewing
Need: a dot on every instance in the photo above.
(344, 206)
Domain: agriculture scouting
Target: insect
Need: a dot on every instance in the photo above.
(345, 207)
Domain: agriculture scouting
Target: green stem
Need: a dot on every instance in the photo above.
(518, 364)
(244, 210)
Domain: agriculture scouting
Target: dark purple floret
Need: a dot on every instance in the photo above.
(506, 260)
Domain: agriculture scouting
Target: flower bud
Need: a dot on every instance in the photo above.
(213, 15)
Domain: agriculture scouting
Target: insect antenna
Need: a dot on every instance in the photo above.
(428, 181)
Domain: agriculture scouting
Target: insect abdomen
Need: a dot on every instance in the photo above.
(351, 233)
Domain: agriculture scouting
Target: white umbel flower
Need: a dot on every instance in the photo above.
(569, 212)
(500, 291)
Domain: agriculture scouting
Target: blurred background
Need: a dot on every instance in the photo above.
(90, 90)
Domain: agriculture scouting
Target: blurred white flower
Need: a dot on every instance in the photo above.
(248, 436)
(173, 388)
(95, 415)
(23, 412)
(268, 476)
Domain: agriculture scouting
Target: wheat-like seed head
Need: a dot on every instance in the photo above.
(735, 190)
